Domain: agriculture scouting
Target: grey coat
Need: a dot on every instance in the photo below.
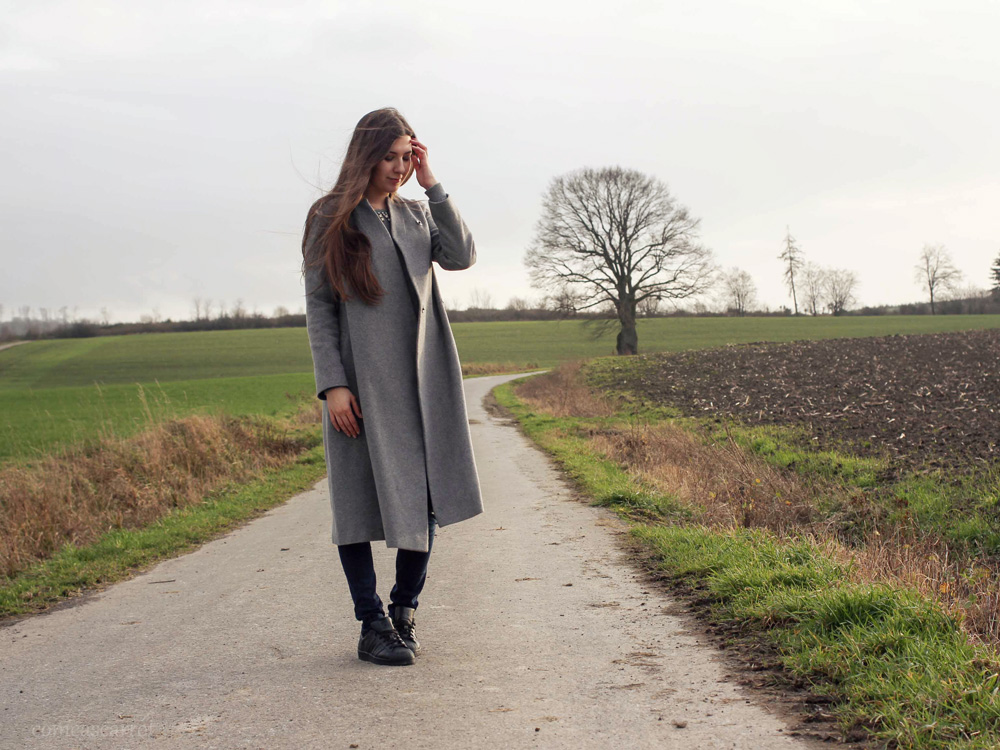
(400, 361)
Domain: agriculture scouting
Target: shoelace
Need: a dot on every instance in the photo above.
(392, 638)
(406, 629)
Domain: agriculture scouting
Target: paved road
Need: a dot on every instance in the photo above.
(535, 629)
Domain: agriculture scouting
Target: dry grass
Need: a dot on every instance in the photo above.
(560, 392)
(309, 413)
(77, 495)
(968, 588)
(726, 486)
(495, 368)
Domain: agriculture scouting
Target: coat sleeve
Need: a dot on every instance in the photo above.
(451, 242)
(322, 321)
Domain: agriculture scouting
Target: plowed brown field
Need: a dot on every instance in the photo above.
(925, 400)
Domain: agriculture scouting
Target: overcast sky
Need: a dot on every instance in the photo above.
(157, 152)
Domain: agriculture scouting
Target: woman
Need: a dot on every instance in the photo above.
(395, 429)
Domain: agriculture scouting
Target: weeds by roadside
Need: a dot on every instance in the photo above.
(866, 602)
(477, 369)
(74, 496)
(120, 501)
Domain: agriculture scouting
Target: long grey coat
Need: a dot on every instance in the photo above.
(400, 361)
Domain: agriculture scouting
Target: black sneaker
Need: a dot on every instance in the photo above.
(402, 620)
(381, 644)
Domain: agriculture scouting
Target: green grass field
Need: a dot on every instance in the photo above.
(64, 391)
(550, 342)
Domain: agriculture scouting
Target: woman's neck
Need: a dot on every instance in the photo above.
(376, 198)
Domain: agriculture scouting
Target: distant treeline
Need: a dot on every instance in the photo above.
(21, 328)
(982, 305)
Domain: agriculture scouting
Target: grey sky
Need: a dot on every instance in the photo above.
(155, 152)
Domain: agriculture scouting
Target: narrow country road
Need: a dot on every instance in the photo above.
(536, 632)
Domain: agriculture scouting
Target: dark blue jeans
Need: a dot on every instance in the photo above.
(411, 574)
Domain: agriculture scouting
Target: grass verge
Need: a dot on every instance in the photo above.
(898, 666)
(120, 553)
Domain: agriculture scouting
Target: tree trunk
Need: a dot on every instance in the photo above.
(628, 339)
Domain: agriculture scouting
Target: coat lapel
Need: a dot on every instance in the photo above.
(398, 218)
(399, 234)
(368, 221)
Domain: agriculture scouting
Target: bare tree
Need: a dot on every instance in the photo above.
(840, 285)
(24, 317)
(616, 236)
(960, 292)
(935, 271)
(480, 299)
(280, 312)
(995, 277)
(791, 256)
(968, 299)
(813, 284)
(518, 304)
(197, 308)
(649, 307)
(739, 290)
(563, 301)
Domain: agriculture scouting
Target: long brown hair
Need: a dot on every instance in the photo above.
(342, 249)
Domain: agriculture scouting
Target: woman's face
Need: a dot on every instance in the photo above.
(388, 174)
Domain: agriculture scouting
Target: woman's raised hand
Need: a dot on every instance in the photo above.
(342, 406)
(425, 178)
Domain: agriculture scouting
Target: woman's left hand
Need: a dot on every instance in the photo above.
(425, 178)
